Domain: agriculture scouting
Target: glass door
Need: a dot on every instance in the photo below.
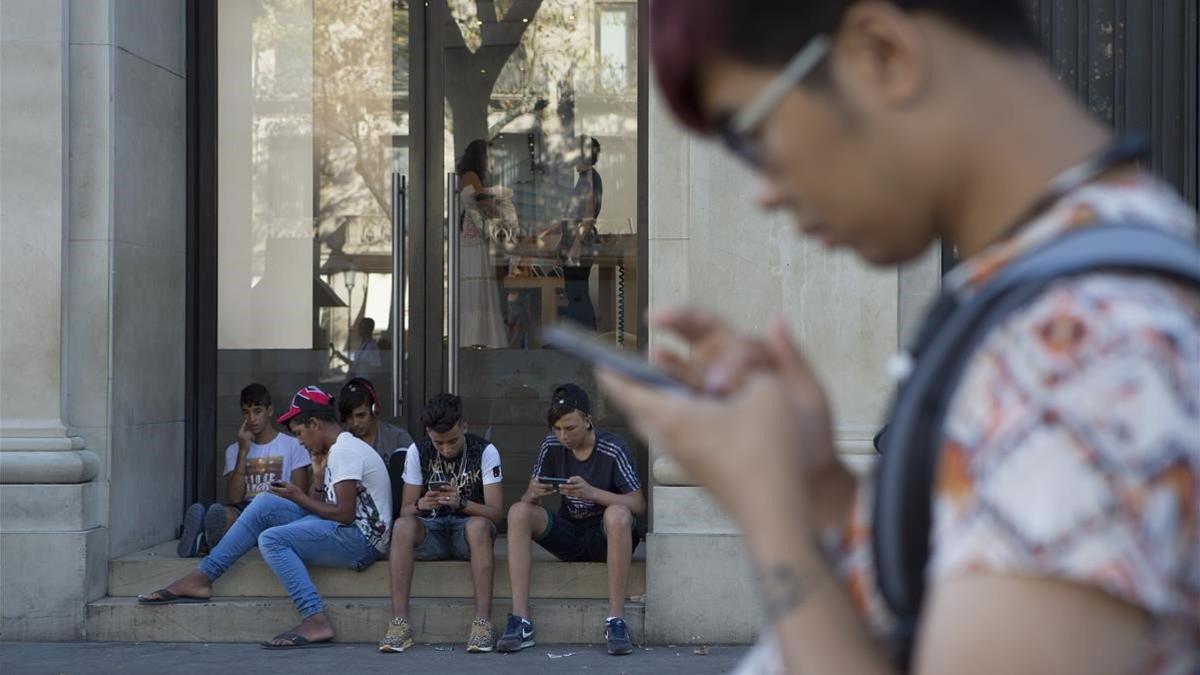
(539, 156)
(314, 137)
(408, 191)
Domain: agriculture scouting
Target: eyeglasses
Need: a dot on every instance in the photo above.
(737, 131)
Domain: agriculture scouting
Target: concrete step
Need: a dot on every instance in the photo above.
(156, 567)
(356, 620)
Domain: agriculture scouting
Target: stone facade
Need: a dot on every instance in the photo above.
(92, 212)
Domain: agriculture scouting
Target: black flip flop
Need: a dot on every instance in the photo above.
(298, 642)
(166, 597)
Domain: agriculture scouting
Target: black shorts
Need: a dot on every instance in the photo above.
(572, 540)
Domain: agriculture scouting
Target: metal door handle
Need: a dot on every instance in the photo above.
(452, 286)
(399, 241)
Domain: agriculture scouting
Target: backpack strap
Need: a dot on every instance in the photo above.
(953, 329)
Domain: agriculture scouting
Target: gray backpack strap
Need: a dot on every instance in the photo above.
(953, 329)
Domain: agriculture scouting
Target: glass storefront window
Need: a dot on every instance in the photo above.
(526, 187)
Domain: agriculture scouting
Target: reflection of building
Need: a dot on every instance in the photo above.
(128, 324)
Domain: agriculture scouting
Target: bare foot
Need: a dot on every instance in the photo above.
(192, 585)
(315, 628)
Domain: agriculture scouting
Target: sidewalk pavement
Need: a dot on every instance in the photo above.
(127, 657)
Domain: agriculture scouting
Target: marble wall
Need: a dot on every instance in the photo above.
(127, 252)
(711, 247)
(92, 207)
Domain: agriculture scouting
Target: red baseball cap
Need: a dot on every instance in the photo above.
(308, 400)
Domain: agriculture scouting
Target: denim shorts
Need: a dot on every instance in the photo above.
(445, 538)
(572, 540)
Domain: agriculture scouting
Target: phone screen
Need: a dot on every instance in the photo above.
(585, 346)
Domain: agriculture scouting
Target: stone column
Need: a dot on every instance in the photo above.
(50, 553)
(34, 444)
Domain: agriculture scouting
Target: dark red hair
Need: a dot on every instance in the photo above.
(768, 33)
(683, 33)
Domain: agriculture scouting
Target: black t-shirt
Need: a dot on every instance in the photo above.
(610, 467)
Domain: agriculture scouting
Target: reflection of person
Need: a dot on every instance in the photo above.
(360, 410)
(452, 504)
(1064, 513)
(344, 521)
(260, 455)
(365, 359)
(596, 521)
(580, 238)
(481, 320)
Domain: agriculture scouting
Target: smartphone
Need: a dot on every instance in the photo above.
(439, 486)
(549, 480)
(278, 483)
(586, 346)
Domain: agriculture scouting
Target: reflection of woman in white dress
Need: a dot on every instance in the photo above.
(480, 320)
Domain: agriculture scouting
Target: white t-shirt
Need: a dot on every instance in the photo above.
(264, 463)
(352, 459)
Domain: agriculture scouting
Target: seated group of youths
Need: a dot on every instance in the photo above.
(449, 508)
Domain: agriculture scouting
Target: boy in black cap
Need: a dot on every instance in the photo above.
(597, 521)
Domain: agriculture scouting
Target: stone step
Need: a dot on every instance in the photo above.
(156, 567)
(356, 620)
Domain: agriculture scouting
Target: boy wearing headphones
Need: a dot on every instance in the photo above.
(359, 408)
(597, 520)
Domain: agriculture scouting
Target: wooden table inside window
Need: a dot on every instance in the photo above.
(547, 287)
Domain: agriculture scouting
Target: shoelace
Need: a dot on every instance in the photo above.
(514, 624)
(617, 629)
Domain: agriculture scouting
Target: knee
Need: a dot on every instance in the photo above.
(269, 538)
(404, 529)
(519, 513)
(263, 501)
(479, 531)
(617, 517)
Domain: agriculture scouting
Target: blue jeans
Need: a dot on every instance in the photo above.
(288, 537)
(445, 538)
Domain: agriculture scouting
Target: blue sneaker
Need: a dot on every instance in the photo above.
(617, 634)
(193, 532)
(518, 634)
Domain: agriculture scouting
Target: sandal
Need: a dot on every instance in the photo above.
(298, 642)
(166, 597)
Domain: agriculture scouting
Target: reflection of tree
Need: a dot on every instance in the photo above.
(355, 47)
(475, 54)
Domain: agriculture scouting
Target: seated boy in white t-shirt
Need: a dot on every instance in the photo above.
(258, 456)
